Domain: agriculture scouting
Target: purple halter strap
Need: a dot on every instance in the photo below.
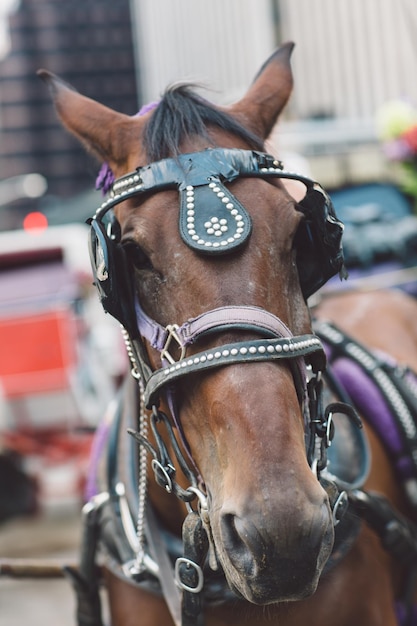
(277, 342)
(187, 333)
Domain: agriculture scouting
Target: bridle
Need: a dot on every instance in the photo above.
(199, 178)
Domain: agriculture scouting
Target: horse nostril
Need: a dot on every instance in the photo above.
(241, 542)
(230, 536)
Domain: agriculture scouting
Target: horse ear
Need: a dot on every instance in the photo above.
(269, 93)
(103, 132)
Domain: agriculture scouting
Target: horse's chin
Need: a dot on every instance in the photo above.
(285, 583)
(265, 591)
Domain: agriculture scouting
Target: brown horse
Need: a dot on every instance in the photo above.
(205, 250)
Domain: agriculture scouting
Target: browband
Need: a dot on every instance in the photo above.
(212, 220)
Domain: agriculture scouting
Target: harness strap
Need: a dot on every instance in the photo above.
(85, 579)
(189, 569)
(398, 535)
(166, 572)
(239, 352)
(394, 405)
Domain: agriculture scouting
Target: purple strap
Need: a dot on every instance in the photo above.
(370, 402)
(242, 316)
(157, 335)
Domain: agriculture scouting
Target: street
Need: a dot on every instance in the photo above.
(47, 602)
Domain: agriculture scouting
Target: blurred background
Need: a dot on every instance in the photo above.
(351, 124)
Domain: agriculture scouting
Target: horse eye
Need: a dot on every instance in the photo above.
(137, 256)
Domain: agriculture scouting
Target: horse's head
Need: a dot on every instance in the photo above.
(208, 233)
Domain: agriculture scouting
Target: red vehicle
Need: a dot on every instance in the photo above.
(54, 386)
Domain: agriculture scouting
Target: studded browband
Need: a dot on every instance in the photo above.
(212, 220)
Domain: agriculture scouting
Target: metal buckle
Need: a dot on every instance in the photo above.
(163, 472)
(172, 335)
(340, 507)
(328, 439)
(197, 568)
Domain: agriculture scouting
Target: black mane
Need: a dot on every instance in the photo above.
(181, 114)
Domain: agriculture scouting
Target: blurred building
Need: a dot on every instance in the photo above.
(350, 57)
(89, 44)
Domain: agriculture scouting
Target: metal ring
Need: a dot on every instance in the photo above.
(328, 430)
(339, 504)
(157, 466)
(198, 570)
(135, 374)
(202, 498)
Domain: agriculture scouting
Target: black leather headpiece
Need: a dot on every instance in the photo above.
(212, 220)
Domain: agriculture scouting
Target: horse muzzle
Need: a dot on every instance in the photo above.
(280, 560)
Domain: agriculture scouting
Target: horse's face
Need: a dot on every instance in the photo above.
(269, 517)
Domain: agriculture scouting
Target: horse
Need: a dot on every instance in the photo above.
(213, 505)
